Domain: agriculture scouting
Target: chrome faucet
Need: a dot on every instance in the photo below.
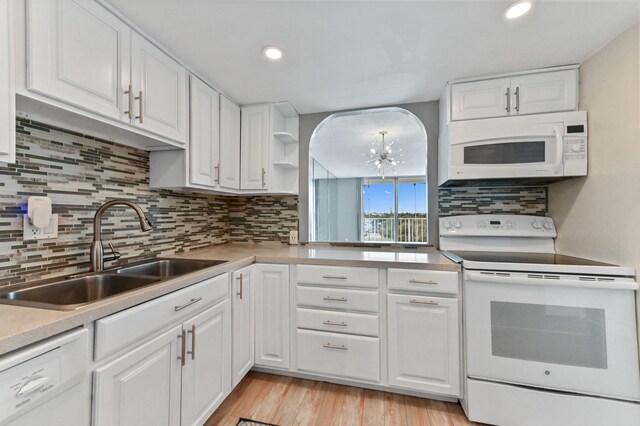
(97, 255)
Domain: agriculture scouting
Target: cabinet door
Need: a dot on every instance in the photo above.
(229, 144)
(243, 306)
(545, 92)
(424, 344)
(272, 315)
(160, 88)
(7, 86)
(204, 135)
(78, 53)
(255, 147)
(480, 99)
(206, 378)
(141, 387)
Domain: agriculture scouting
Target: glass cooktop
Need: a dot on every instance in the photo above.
(530, 258)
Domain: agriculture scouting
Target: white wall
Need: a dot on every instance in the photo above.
(598, 216)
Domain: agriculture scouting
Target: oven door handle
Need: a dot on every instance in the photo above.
(491, 278)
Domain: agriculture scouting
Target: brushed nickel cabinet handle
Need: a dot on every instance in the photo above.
(518, 99)
(334, 277)
(217, 174)
(183, 349)
(241, 285)
(186, 305)
(508, 95)
(130, 93)
(139, 98)
(334, 299)
(330, 346)
(264, 172)
(192, 352)
(430, 282)
(419, 302)
(339, 324)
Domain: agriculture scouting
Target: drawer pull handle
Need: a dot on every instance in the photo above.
(186, 305)
(430, 282)
(419, 302)
(241, 286)
(335, 299)
(192, 352)
(339, 324)
(334, 277)
(330, 346)
(183, 348)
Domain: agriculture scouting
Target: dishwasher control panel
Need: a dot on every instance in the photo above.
(41, 371)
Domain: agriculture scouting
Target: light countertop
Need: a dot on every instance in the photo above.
(21, 326)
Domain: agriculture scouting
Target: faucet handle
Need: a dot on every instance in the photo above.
(114, 254)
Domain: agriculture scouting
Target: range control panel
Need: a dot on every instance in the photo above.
(487, 225)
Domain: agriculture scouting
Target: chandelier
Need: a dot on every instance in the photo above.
(381, 155)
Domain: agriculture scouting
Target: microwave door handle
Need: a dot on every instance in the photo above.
(559, 152)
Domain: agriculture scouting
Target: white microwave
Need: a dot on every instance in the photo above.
(533, 147)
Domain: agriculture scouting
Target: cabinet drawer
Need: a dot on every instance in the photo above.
(354, 357)
(338, 275)
(335, 298)
(339, 322)
(423, 281)
(135, 324)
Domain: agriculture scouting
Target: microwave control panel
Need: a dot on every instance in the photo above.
(575, 149)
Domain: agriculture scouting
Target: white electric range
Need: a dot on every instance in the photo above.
(549, 339)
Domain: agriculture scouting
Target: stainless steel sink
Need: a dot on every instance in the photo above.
(165, 268)
(72, 293)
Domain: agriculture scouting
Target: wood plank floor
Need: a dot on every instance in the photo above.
(288, 401)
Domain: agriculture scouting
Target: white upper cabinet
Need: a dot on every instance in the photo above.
(78, 52)
(7, 89)
(255, 138)
(204, 135)
(159, 90)
(229, 170)
(524, 93)
(480, 99)
(546, 92)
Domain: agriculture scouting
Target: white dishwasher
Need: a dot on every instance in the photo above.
(47, 382)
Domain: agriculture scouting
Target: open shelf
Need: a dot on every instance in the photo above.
(285, 137)
(285, 165)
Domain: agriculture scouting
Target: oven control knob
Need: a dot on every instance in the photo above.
(536, 225)
(447, 225)
(458, 225)
(547, 226)
(575, 147)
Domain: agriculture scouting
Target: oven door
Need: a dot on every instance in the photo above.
(554, 332)
(507, 155)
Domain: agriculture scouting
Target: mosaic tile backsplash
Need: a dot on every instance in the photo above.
(79, 173)
(531, 200)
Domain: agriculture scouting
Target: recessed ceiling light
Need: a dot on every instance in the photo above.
(272, 52)
(517, 9)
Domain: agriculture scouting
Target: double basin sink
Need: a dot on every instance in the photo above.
(71, 293)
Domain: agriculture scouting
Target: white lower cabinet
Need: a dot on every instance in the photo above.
(141, 387)
(272, 315)
(243, 307)
(335, 354)
(423, 346)
(176, 378)
(206, 376)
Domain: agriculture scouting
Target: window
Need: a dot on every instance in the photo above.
(367, 178)
(394, 210)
